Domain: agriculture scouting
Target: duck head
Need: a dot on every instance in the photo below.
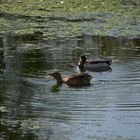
(81, 63)
(83, 58)
(56, 75)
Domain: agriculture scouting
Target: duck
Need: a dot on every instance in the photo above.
(98, 65)
(76, 80)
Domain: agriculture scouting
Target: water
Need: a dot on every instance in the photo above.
(109, 109)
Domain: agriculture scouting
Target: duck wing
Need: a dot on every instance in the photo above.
(78, 80)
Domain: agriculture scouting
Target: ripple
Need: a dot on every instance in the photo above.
(108, 108)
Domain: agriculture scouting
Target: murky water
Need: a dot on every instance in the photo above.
(109, 109)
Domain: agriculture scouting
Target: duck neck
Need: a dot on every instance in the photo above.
(59, 80)
(81, 67)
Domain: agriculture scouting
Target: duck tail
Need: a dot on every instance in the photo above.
(109, 61)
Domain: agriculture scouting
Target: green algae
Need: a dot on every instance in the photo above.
(69, 18)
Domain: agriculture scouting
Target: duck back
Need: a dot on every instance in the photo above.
(78, 80)
(97, 67)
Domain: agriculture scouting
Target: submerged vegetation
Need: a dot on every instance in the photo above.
(69, 18)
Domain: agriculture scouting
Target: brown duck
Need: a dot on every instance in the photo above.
(76, 80)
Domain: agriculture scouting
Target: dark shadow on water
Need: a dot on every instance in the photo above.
(55, 88)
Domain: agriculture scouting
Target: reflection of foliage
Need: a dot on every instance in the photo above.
(11, 130)
(66, 18)
(34, 61)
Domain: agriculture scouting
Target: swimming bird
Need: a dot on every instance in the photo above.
(76, 80)
(94, 65)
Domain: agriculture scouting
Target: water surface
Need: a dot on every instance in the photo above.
(109, 109)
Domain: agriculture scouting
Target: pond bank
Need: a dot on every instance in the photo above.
(71, 18)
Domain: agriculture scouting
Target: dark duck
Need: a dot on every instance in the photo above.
(98, 65)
